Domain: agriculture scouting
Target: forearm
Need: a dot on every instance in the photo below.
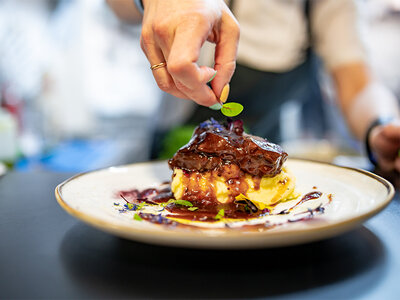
(362, 98)
(125, 10)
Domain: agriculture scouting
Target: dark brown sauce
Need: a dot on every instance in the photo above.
(151, 195)
(157, 219)
(205, 212)
(309, 196)
(208, 214)
(214, 145)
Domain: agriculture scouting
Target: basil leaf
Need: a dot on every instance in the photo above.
(193, 208)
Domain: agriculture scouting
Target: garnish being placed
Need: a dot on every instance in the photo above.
(230, 109)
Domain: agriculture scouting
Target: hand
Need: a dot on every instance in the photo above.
(173, 31)
(385, 144)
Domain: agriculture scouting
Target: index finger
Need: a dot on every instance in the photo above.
(182, 61)
(226, 52)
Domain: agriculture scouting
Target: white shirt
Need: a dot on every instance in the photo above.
(274, 33)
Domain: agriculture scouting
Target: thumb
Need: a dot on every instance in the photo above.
(207, 74)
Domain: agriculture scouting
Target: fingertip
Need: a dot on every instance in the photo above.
(204, 96)
(207, 74)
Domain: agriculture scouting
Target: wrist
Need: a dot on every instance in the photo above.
(370, 133)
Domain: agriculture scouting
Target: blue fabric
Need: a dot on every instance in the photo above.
(71, 156)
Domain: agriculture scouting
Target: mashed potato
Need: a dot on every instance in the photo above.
(263, 193)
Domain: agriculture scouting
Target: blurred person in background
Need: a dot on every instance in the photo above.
(276, 63)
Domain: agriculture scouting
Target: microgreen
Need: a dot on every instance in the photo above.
(220, 214)
(231, 109)
(183, 203)
(140, 206)
(193, 208)
(178, 202)
(137, 217)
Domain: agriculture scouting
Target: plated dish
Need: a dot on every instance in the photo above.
(227, 190)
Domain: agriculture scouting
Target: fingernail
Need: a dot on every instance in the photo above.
(225, 93)
(212, 77)
(216, 106)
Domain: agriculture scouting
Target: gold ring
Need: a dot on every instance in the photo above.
(157, 66)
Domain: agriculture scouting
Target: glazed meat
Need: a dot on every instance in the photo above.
(214, 145)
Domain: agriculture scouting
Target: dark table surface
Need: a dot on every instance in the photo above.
(46, 253)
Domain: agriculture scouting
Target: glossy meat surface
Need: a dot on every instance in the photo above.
(214, 145)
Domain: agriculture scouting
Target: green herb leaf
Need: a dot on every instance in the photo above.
(216, 106)
(183, 203)
(220, 214)
(231, 109)
(140, 206)
(193, 208)
(178, 202)
(137, 217)
(164, 204)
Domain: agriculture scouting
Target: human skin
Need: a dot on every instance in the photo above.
(174, 31)
(363, 100)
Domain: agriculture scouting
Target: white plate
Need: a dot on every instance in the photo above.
(357, 196)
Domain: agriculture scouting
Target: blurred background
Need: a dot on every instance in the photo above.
(77, 94)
